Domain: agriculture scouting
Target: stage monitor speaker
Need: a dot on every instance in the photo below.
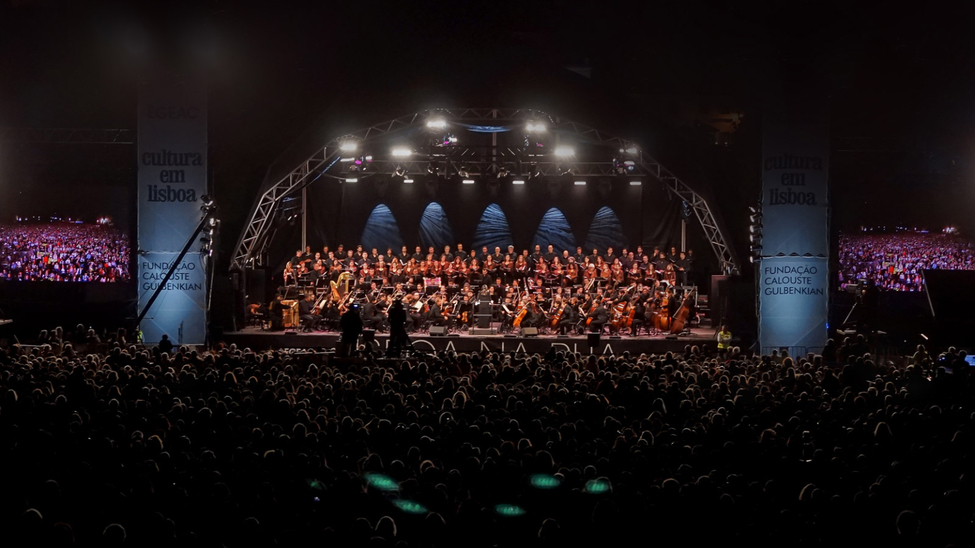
(368, 335)
(438, 330)
(529, 331)
(593, 339)
(481, 331)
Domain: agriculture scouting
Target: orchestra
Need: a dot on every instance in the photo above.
(558, 293)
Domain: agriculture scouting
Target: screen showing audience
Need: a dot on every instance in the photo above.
(63, 250)
(895, 260)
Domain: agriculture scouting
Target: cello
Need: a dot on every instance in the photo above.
(683, 314)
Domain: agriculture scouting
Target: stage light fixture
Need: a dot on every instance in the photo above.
(432, 168)
(636, 183)
(349, 146)
(462, 171)
(565, 152)
(755, 229)
(352, 180)
(408, 181)
(399, 171)
(502, 173)
(633, 151)
(755, 238)
(563, 170)
(580, 183)
(468, 181)
(518, 182)
(401, 152)
(535, 127)
(347, 160)
(437, 123)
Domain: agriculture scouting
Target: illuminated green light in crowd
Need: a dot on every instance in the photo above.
(509, 510)
(545, 481)
(410, 507)
(315, 484)
(597, 486)
(381, 482)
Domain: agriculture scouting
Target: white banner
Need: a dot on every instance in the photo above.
(793, 304)
(795, 169)
(172, 159)
(180, 309)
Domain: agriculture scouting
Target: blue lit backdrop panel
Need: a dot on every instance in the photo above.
(435, 228)
(492, 230)
(605, 231)
(381, 230)
(554, 229)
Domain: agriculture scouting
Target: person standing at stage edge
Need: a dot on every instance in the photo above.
(351, 326)
(724, 339)
(397, 328)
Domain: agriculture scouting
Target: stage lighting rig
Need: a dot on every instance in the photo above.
(563, 169)
(401, 152)
(436, 123)
(462, 171)
(535, 127)
(502, 173)
(755, 232)
(348, 146)
(565, 151)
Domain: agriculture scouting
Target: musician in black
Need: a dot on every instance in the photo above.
(640, 312)
(416, 317)
(570, 317)
(599, 318)
(435, 315)
(372, 318)
(309, 320)
(276, 313)
(296, 260)
(465, 311)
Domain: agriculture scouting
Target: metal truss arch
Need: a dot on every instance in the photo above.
(255, 236)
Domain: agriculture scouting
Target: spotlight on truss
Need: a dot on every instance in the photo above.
(436, 123)
(348, 146)
(565, 152)
(401, 152)
(534, 127)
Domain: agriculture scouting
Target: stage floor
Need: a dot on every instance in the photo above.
(257, 339)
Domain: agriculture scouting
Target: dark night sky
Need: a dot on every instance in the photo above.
(899, 82)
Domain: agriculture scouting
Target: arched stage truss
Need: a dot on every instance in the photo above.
(520, 162)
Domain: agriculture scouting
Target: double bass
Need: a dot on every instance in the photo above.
(684, 313)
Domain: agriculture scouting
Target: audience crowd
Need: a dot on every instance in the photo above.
(63, 252)
(895, 261)
(110, 444)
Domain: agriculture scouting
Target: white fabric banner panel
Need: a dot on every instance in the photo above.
(180, 309)
(795, 169)
(172, 159)
(793, 304)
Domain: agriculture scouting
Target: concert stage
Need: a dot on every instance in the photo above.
(257, 339)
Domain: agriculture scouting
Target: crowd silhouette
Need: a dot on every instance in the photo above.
(110, 444)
